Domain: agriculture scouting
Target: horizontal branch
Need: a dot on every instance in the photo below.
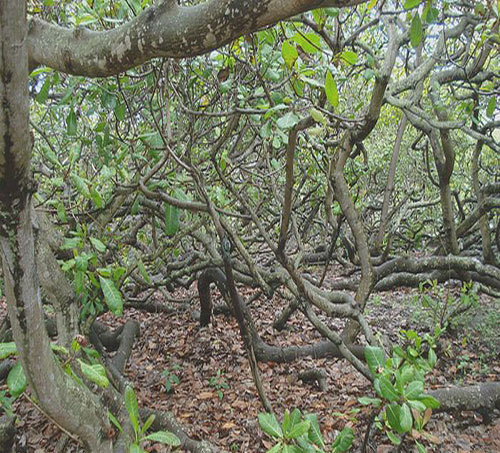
(162, 30)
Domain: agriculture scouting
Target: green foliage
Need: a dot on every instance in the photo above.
(219, 383)
(399, 383)
(446, 309)
(171, 377)
(300, 433)
(140, 436)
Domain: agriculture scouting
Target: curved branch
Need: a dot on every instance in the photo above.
(162, 30)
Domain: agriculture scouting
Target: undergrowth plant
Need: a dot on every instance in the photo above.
(300, 433)
(401, 408)
(140, 436)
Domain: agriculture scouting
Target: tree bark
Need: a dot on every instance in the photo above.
(70, 405)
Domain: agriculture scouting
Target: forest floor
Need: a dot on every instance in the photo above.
(203, 376)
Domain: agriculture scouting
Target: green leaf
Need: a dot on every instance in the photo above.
(375, 358)
(143, 271)
(134, 448)
(490, 109)
(349, 57)
(289, 54)
(96, 198)
(405, 419)
(80, 185)
(291, 449)
(298, 430)
(420, 448)
(392, 412)
(418, 405)
(315, 435)
(416, 31)
(96, 373)
(171, 220)
(409, 4)
(112, 296)
(132, 408)
(430, 401)
(164, 437)
(331, 91)
(278, 448)
(366, 401)
(387, 390)
(414, 390)
(16, 380)
(79, 282)
(42, 96)
(71, 123)
(393, 438)
(270, 425)
(7, 349)
(310, 42)
(98, 245)
(288, 121)
(343, 441)
(148, 423)
(317, 116)
(115, 421)
(120, 111)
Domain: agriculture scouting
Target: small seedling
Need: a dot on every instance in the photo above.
(219, 383)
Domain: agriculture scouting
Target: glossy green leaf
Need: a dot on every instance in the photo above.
(16, 380)
(414, 390)
(96, 373)
(366, 401)
(418, 405)
(387, 389)
(393, 438)
(171, 220)
(112, 296)
(331, 91)
(315, 435)
(317, 116)
(143, 271)
(430, 401)
(343, 441)
(270, 425)
(132, 407)
(7, 349)
(409, 4)
(147, 424)
(80, 185)
(287, 121)
(375, 358)
(115, 421)
(278, 448)
(71, 126)
(416, 31)
(289, 54)
(309, 42)
(405, 418)
(420, 448)
(298, 429)
(349, 57)
(392, 412)
(490, 109)
(98, 245)
(164, 437)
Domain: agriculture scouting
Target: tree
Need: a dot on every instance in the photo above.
(161, 30)
(169, 30)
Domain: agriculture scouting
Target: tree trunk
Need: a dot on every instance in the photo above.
(72, 406)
